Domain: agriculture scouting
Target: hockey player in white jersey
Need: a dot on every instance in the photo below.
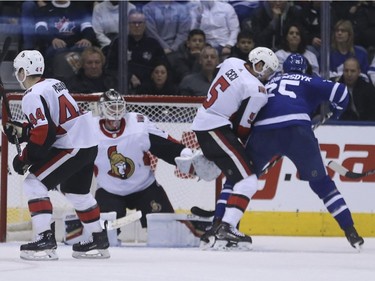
(60, 150)
(124, 176)
(233, 101)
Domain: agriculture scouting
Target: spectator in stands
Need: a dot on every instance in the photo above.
(361, 105)
(220, 23)
(245, 43)
(311, 14)
(342, 47)
(343, 10)
(91, 77)
(294, 41)
(270, 18)
(143, 52)
(371, 71)
(10, 12)
(197, 84)
(29, 12)
(105, 21)
(364, 27)
(244, 11)
(168, 22)
(185, 60)
(160, 82)
(64, 26)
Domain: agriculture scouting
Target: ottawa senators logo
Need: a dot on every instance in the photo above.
(121, 166)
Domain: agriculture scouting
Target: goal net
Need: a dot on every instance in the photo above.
(172, 114)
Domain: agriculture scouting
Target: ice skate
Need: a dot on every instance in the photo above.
(208, 238)
(95, 248)
(354, 239)
(43, 248)
(228, 238)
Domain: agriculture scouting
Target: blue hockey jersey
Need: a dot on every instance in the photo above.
(293, 97)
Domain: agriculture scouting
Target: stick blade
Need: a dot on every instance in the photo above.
(124, 220)
(342, 171)
(201, 212)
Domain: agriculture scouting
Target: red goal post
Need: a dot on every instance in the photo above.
(173, 114)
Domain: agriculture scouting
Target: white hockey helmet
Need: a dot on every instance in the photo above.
(112, 105)
(267, 56)
(32, 62)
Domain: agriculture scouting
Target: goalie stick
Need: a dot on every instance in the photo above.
(342, 171)
(204, 213)
(110, 225)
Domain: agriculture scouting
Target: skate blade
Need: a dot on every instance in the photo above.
(358, 247)
(45, 255)
(92, 254)
(224, 245)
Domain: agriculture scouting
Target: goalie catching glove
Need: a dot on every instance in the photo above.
(16, 129)
(197, 164)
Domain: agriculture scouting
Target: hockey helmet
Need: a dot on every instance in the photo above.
(295, 63)
(112, 105)
(268, 57)
(32, 62)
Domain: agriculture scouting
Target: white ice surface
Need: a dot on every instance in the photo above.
(272, 259)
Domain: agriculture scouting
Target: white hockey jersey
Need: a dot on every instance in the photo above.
(234, 94)
(122, 164)
(74, 129)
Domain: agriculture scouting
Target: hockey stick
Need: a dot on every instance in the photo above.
(342, 171)
(273, 162)
(5, 49)
(195, 210)
(4, 52)
(110, 225)
(10, 118)
(204, 213)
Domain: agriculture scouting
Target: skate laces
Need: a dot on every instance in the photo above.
(38, 238)
(89, 241)
(235, 231)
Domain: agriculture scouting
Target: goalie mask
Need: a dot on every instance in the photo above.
(31, 62)
(268, 57)
(112, 106)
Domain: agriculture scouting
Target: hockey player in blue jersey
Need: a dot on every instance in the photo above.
(283, 127)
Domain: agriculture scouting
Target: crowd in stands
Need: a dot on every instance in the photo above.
(174, 47)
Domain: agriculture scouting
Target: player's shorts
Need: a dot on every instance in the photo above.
(223, 147)
(72, 169)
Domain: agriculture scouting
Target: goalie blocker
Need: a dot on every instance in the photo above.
(197, 164)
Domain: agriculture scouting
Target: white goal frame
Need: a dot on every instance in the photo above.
(183, 192)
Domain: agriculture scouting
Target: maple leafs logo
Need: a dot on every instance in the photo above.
(64, 25)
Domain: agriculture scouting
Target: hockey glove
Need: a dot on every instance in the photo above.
(184, 161)
(17, 129)
(198, 164)
(204, 168)
(19, 166)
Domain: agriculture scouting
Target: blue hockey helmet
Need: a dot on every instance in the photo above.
(295, 63)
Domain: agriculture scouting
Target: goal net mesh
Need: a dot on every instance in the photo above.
(172, 114)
